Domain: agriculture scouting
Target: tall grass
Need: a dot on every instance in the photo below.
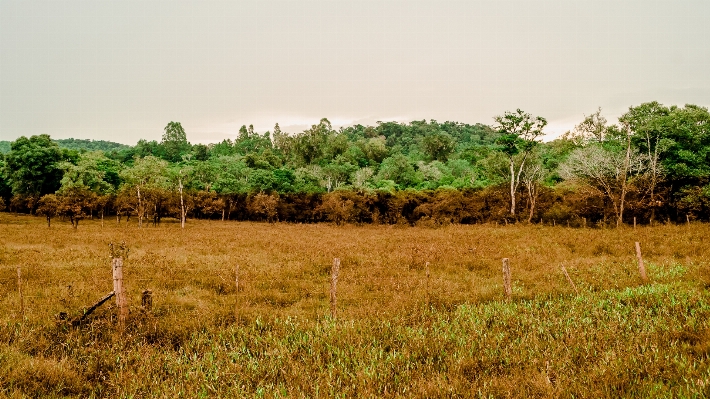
(617, 338)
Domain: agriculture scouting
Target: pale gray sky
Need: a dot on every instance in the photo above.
(121, 70)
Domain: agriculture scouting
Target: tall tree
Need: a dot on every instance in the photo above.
(646, 123)
(83, 186)
(174, 142)
(519, 132)
(31, 166)
(438, 145)
(146, 179)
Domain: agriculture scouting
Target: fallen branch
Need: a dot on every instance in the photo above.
(90, 310)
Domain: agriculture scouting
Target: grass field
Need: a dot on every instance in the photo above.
(393, 337)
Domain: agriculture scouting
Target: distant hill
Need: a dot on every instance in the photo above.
(91, 145)
(78, 144)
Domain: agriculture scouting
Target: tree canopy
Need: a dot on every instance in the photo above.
(659, 155)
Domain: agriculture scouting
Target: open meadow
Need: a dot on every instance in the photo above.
(398, 333)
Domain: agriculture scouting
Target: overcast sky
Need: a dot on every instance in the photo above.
(121, 70)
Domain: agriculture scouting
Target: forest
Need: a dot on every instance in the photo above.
(652, 165)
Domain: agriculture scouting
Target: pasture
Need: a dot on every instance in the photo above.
(398, 333)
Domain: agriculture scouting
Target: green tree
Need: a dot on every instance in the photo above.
(519, 132)
(648, 125)
(31, 166)
(311, 144)
(337, 173)
(5, 189)
(146, 179)
(174, 142)
(438, 145)
(85, 182)
(400, 170)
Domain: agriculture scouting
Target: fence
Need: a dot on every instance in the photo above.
(122, 305)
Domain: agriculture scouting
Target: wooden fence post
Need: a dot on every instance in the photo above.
(569, 279)
(333, 286)
(585, 223)
(121, 303)
(117, 255)
(19, 291)
(506, 279)
(642, 267)
(634, 222)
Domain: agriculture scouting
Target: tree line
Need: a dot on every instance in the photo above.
(652, 164)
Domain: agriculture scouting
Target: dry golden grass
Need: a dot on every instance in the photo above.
(616, 338)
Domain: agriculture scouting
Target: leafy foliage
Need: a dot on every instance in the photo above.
(668, 155)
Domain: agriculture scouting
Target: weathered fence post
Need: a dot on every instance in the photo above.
(333, 286)
(569, 279)
(506, 279)
(687, 219)
(117, 256)
(19, 291)
(642, 267)
(585, 223)
(634, 222)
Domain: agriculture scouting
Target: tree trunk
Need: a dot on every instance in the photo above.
(532, 193)
(140, 208)
(624, 175)
(512, 187)
(182, 207)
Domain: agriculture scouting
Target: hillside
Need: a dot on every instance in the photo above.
(77, 144)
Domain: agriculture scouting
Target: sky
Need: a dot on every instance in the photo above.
(121, 70)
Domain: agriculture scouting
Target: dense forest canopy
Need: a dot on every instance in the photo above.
(653, 164)
(77, 144)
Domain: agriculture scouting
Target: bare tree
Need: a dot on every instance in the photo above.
(607, 171)
(532, 175)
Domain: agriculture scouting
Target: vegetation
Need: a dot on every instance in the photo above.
(398, 334)
(651, 166)
(78, 145)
